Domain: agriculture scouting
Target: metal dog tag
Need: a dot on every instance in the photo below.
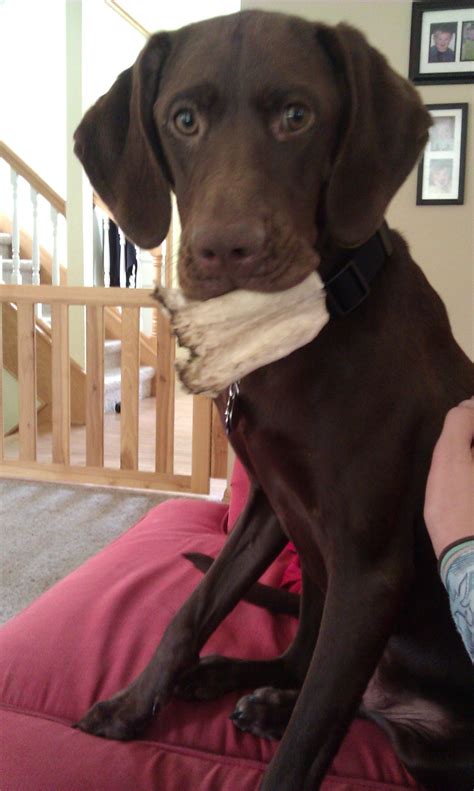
(231, 409)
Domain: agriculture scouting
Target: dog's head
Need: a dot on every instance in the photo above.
(272, 131)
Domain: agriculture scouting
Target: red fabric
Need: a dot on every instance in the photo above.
(291, 578)
(95, 630)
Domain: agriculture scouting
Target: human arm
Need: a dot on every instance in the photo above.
(449, 515)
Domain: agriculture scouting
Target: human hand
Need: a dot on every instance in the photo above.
(449, 500)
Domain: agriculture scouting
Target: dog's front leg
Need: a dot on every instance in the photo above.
(361, 605)
(215, 675)
(255, 541)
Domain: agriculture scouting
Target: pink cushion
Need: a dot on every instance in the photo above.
(95, 630)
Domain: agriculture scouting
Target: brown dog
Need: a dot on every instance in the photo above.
(284, 141)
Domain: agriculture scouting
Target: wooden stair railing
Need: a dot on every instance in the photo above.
(46, 263)
(44, 353)
(113, 326)
(26, 251)
(61, 469)
(112, 316)
(128, 17)
(22, 169)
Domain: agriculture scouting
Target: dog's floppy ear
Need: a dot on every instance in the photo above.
(118, 145)
(384, 129)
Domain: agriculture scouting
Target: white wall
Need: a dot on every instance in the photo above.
(32, 96)
(33, 53)
(171, 15)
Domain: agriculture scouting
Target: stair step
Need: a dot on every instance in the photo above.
(112, 389)
(113, 376)
(113, 344)
(5, 245)
(26, 270)
(25, 263)
(112, 354)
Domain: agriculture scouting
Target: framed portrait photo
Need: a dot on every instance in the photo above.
(441, 170)
(442, 42)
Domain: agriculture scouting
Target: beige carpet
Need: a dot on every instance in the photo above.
(48, 529)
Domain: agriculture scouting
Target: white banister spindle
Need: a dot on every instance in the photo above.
(123, 261)
(35, 257)
(16, 273)
(2, 282)
(55, 275)
(106, 249)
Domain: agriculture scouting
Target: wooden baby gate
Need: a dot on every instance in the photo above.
(24, 299)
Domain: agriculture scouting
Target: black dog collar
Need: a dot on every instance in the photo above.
(351, 285)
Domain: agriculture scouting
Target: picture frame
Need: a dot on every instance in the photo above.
(442, 42)
(442, 169)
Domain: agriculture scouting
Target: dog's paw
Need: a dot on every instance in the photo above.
(265, 712)
(123, 717)
(209, 679)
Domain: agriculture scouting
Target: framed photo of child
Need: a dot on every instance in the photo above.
(441, 171)
(442, 42)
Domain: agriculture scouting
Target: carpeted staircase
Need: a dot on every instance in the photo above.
(26, 266)
(112, 377)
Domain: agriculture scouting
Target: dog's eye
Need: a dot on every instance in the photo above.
(294, 118)
(186, 121)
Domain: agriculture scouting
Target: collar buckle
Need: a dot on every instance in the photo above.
(346, 290)
(349, 287)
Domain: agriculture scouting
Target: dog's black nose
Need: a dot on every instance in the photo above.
(236, 246)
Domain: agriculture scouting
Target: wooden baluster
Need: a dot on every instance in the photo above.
(168, 279)
(130, 380)
(165, 400)
(157, 258)
(60, 374)
(219, 447)
(160, 262)
(27, 381)
(55, 273)
(201, 451)
(16, 273)
(95, 386)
